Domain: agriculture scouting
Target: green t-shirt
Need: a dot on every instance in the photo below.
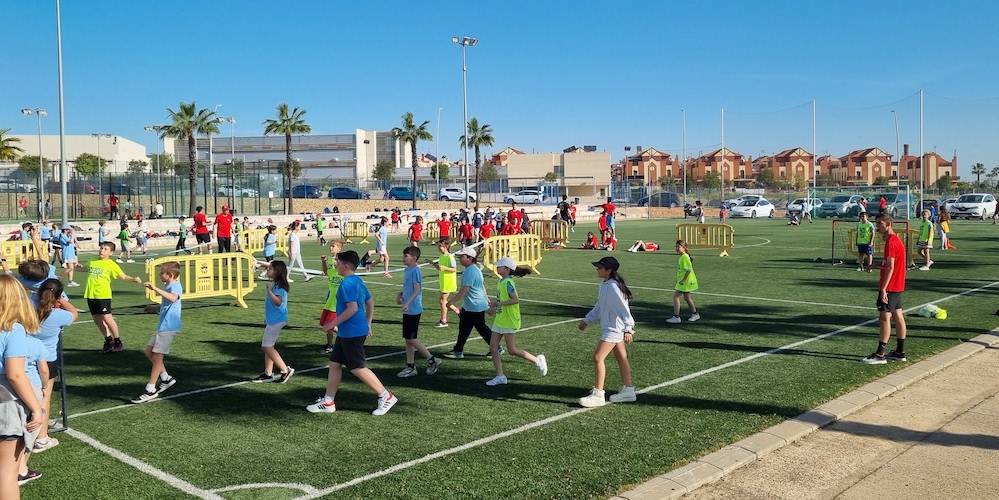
(682, 267)
(926, 232)
(183, 229)
(509, 315)
(320, 225)
(334, 280)
(102, 272)
(123, 236)
(448, 280)
(865, 233)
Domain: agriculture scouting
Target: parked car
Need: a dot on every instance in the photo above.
(946, 205)
(663, 199)
(754, 208)
(12, 185)
(973, 205)
(897, 202)
(804, 206)
(738, 201)
(403, 193)
(928, 203)
(455, 194)
(534, 196)
(305, 191)
(348, 193)
(838, 206)
(236, 191)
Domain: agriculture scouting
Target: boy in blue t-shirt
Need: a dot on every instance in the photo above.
(411, 299)
(168, 328)
(354, 309)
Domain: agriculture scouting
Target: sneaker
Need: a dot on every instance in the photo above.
(119, 261)
(117, 347)
(285, 375)
(290, 280)
(44, 444)
(30, 476)
(308, 279)
(694, 317)
(924, 268)
(454, 355)
(433, 367)
(145, 397)
(895, 356)
(130, 261)
(542, 364)
(860, 269)
(625, 395)
(264, 377)
(73, 284)
(497, 380)
(163, 385)
(874, 359)
(407, 372)
(931, 263)
(674, 320)
(385, 404)
(322, 406)
(595, 399)
(326, 349)
(108, 345)
(441, 324)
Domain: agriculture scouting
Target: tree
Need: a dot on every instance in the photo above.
(165, 164)
(881, 181)
(943, 184)
(384, 172)
(549, 177)
(825, 180)
(88, 166)
(296, 170)
(29, 164)
(185, 123)
(9, 150)
(136, 166)
(287, 123)
(994, 173)
(412, 133)
(766, 177)
(712, 180)
(978, 170)
(478, 136)
(800, 182)
(440, 171)
(490, 173)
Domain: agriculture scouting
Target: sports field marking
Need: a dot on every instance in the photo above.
(765, 242)
(562, 416)
(731, 296)
(253, 486)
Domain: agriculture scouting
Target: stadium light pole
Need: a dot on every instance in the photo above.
(39, 113)
(464, 42)
(683, 114)
(62, 121)
(922, 160)
(721, 167)
(232, 156)
(815, 176)
(437, 152)
(211, 165)
(159, 180)
(898, 154)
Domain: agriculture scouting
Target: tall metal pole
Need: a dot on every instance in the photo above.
(683, 112)
(815, 176)
(41, 171)
(721, 167)
(62, 117)
(922, 160)
(464, 93)
(898, 154)
(437, 151)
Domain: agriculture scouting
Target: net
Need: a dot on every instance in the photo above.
(843, 246)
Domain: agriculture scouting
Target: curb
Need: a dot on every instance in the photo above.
(712, 467)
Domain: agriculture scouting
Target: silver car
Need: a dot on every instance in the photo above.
(838, 206)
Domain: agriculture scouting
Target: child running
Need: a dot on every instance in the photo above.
(686, 283)
(70, 261)
(333, 278)
(925, 241)
(168, 328)
(618, 329)
(55, 313)
(276, 316)
(97, 291)
(381, 246)
(182, 236)
(506, 307)
(354, 312)
(295, 251)
(865, 243)
(321, 230)
(123, 237)
(415, 232)
(448, 279)
(411, 299)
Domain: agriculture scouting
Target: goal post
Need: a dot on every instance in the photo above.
(843, 241)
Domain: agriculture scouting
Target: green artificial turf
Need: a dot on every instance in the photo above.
(260, 433)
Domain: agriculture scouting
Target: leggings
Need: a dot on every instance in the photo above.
(182, 244)
(297, 264)
(468, 320)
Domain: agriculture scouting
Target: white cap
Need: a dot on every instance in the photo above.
(468, 251)
(506, 262)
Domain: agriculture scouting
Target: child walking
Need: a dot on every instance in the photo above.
(333, 278)
(506, 307)
(55, 313)
(98, 294)
(276, 316)
(411, 299)
(617, 329)
(70, 261)
(295, 251)
(270, 247)
(141, 236)
(925, 241)
(168, 328)
(686, 283)
(448, 279)
(381, 246)
(123, 237)
(182, 236)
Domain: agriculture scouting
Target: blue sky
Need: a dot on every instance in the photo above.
(545, 75)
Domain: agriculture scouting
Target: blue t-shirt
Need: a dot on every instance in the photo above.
(25, 235)
(170, 311)
(36, 354)
(68, 252)
(382, 238)
(102, 234)
(13, 344)
(353, 289)
(33, 286)
(477, 220)
(45, 232)
(276, 314)
(270, 244)
(411, 277)
(475, 299)
(50, 330)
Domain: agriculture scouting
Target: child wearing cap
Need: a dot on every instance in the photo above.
(506, 307)
(617, 330)
(69, 259)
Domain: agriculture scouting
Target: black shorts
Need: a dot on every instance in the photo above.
(349, 352)
(269, 258)
(99, 306)
(203, 237)
(225, 244)
(54, 369)
(410, 326)
(894, 302)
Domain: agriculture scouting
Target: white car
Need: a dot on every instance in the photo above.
(455, 194)
(802, 205)
(734, 202)
(236, 191)
(759, 207)
(973, 205)
(534, 196)
(947, 204)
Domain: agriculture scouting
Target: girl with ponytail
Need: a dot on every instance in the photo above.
(617, 330)
(55, 313)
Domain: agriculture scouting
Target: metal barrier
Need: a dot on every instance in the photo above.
(356, 229)
(19, 251)
(206, 276)
(721, 236)
(524, 249)
(554, 232)
(251, 241)
(434, 232)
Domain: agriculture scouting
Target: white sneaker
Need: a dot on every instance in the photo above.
(497, 380)
(322, 406)
(924, 268)
(119, 261)
(384, 405)
(860, 269)
(625, 395)
(694, 317)
(290, 280)
(674, 320)
(308, 279)
(44, 444)
(130, 261)
(595, 399)
(73, 284)
(407, 372)
(542, 364)
(432, 368)
(931, 263)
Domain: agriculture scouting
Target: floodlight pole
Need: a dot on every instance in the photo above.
(815, 175)
(922, 160)
(464, 42)
(39, 113)
(721, 167)
(683, 114)
(898, 154)
(437, 152)
(62, 117)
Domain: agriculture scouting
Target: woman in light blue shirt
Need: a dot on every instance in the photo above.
(474, 303)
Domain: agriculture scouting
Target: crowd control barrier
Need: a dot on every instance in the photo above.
(251, 241)
(356, 229)
(434, 232)
(19, 251)
(206, 276)
(524, 249)
(720, 236)
(553, 232)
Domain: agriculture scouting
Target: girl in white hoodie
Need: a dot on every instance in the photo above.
(617, 330)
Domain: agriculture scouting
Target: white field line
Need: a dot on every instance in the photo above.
(123, 457)
(765, 242)
(731, 296)
(562, 416)
(253, 486)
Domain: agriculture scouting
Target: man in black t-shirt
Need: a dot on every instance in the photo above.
(563, 208)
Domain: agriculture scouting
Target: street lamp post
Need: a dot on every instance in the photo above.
(211, 166)
(39, 113)
(232, 156)
(159, 179)
(100, 183)
(465, 42)
(437, 151)
(898, 170)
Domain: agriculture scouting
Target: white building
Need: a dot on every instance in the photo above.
(116, 150)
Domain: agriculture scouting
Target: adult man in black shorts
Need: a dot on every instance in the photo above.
(891, 284)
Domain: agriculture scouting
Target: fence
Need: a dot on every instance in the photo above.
(553, 232)
(524, 249)
(434, 232)
(356, 229)
(252, 240)
(15, 252)
(206, 276)
(721, 236)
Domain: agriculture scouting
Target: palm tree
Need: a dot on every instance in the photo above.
(478, 136)
(994, 173)
(9, 150)
(978, 170)
(185, 123)
(287, 123)
(412, 133)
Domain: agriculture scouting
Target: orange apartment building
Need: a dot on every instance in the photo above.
(862, 167)
(734, 167)
(936, 167)
(650, 165)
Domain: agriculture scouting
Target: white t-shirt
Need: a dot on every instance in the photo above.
(294, 244)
